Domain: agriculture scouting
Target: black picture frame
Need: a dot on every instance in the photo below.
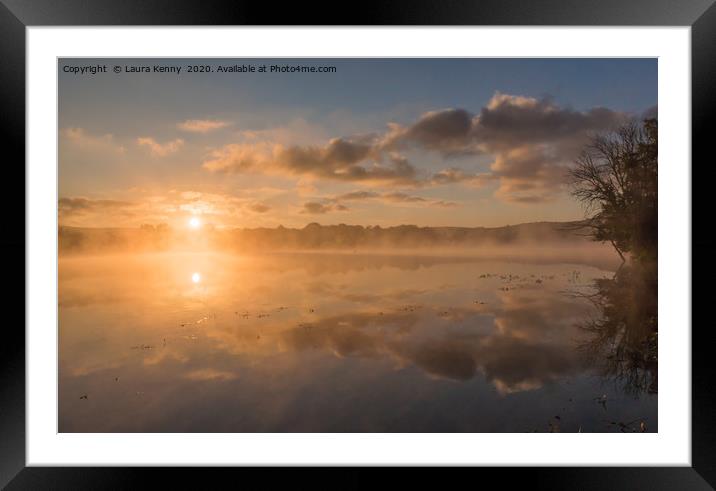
(16, 15)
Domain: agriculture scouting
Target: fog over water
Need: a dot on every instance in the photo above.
(337, 341)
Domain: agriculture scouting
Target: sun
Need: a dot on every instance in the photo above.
(194, 222)
(196, 278)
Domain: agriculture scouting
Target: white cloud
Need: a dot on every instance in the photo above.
(202, 125)
(158, 149)
(82, 140)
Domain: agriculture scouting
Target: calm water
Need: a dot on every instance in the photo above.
(334, 342)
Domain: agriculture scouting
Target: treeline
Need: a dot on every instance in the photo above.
(145, 238)
(313, 236)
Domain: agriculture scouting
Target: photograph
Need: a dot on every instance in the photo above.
(357, 245)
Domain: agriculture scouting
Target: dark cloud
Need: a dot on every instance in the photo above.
(340, 159)
(258, 207)
(72, 205)
(443, 204)
(358, 195)
(403, 198)
(508, 121)
(315, 208)
(531, 141)
(78, 209)
(453, 175)
(393, 197)
(447, 131)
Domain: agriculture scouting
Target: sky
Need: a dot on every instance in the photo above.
(431, 142)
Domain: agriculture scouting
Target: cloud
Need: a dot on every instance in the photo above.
(532, 142)
(103, 144)
(239, 158)
(395, 197)
(158, 149)
(510, 120)
(204, 374)
(85, 211)
(315, 208)
(340, 159)
(78, 205)
(453, 175)
(258, 207)
(190, 195)
(212, 205)
(403, 198)
(444, 204)
(358, 195)
(529, 174)
(392, 197)
(447, 131)
(202, 125)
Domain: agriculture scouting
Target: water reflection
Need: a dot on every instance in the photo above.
(459, 342)
(623, 338)
(316, 342)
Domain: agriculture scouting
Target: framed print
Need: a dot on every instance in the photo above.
(430, 236)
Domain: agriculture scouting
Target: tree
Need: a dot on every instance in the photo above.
(615, 177)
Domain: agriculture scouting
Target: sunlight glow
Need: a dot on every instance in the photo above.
(194, 222)
(196, 277)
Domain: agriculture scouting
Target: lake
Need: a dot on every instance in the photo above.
(338, 342)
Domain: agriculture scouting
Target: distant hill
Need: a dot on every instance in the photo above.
(315, 236)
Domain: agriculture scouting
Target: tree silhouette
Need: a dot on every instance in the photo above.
(615, 178)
